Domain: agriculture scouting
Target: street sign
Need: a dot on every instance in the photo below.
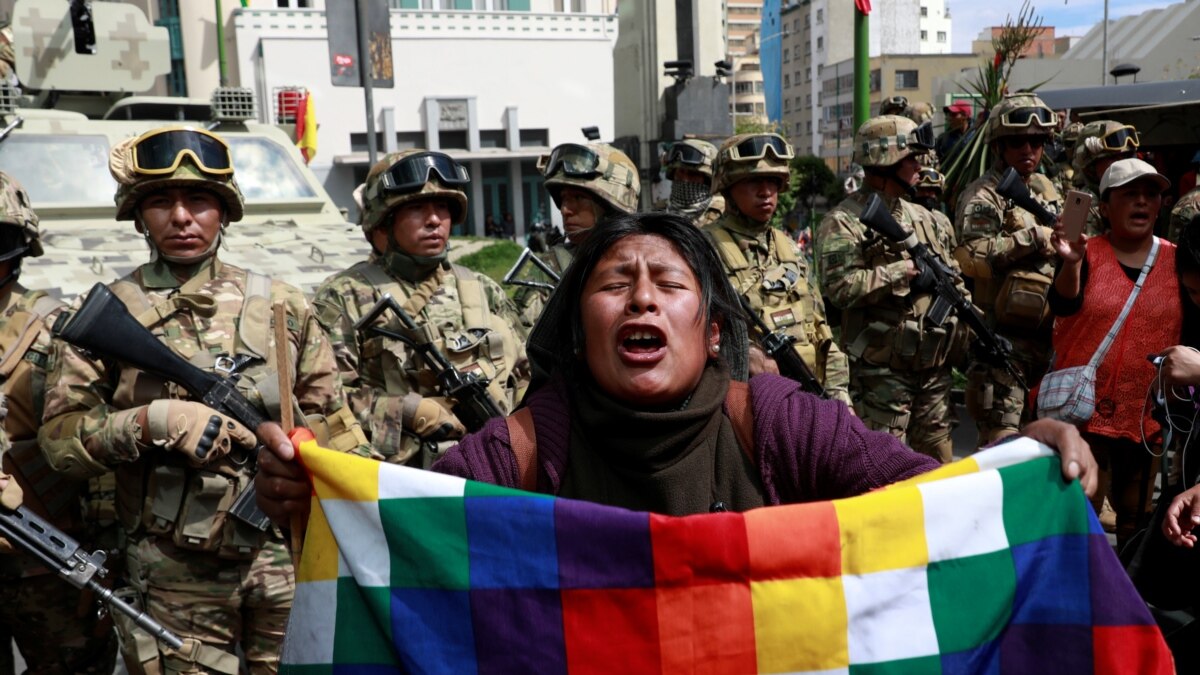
(341, 20)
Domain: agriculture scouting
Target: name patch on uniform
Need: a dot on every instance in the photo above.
(783, 318)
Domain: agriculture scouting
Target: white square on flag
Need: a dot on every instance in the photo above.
(361, 544)
(961, 518)
(901, 627)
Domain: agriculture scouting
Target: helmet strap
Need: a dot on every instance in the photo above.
(410, 268)
(12, 274)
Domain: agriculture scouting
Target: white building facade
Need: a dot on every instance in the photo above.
(463, 86)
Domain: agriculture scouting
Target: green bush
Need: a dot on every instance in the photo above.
(494, 260)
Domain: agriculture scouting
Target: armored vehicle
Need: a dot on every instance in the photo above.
(71, 108)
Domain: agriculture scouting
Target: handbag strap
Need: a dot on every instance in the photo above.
(1116, 327)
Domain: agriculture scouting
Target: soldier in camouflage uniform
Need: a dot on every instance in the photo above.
(218, 583)
(1011, 259)
(1067, 178)
(1097, 146)
(690, 169)
(1187, 208)
(928, 193)
(764, 265)
(899, 358)
(56, 630)
(408, 203)
(588, 184)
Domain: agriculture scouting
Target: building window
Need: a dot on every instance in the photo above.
(807, 23)
(924, 35)
(437, 4)
(924, 11)
(807, 46)
(744, 88)
(820, 67)
(744, 108)
(787, 81)
(787, 104)
(808, 100)
(168, 12)
(820, 16)
(795, 25)
(797, 103)
(820, 43)
(942, 36)
(808, 76)
(875, 80)
(576, 6)
(760, 108)
(808, 126)
(907, 79)
(787, 55)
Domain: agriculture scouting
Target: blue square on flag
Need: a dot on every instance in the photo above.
(511, 542)
(1053, 584)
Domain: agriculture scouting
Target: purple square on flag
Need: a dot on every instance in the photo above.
(1053, 581)
(431, 630)
(511, 542)
(982, 660)
(1034, 648)
(602, 546)
(1115, 602)
(518, 631)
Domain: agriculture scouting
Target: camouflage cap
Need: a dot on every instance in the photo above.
(896, 105)
(16, 210)
(1104, 138)
(615, 181)
(376, 204)
(133, 186)
(675, 159)
(1021, 115)
(730, 170)
(887, 139)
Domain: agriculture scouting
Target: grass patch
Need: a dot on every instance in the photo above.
(494, 261)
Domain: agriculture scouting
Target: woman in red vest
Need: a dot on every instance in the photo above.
(1094, 280)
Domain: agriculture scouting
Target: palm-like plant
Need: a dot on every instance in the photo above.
(972, 157)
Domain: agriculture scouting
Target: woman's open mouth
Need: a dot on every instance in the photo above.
(641, 344)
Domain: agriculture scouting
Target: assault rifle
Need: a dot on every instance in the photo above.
(989, 346)
(59, 552)
(778, 346)
(1012, 188)
(472, 404)
(103, 326)
(528, 256)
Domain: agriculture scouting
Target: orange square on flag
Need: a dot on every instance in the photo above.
(707, 629)
(794, 541)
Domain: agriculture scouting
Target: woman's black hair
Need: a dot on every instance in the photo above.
(1187, 254)
(559, 333)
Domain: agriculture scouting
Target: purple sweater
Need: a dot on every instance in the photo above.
(807, 449)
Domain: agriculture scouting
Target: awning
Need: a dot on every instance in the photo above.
(1123, 95)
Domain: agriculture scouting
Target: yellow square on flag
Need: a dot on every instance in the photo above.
(883, 530)
(320, 560)
(357, 477)
(789, 645)
(960, 468)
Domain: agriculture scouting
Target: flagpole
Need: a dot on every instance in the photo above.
(224, 77)
(1104, 48)
(862, 63)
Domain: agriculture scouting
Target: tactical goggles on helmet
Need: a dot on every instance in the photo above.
(160, 152)
(411, 173)
(929, 178)
(12, 242)
(756, 147)
(573, 160)
(685, 154)
(921, 138)
(1125, 138)
(1026, 117)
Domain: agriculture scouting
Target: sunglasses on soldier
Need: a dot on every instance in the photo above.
(160, 152)
(573, 160)
(685, 154)
(1024, 117)
(756, 147)
(413, 172)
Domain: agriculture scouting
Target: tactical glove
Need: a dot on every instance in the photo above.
(430, 418)
(925, 279)
(194, 429)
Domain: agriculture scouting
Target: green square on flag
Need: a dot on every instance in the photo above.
(1050, 508)
(364, 626)
(427, 542)
(965, 625)
(923, 665)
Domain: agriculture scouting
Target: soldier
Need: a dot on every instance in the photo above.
(689, 167)
(899, 375)
(407, 205)
(588, 184)
(1010, 257)
(764, 264)
(1067, 177)
(1187, 208)
(55, 631)
(1098, 145)
(218, 583)
(928, 193)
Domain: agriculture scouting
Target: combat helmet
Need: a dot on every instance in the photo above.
(1104, 138)
(409, 176)
(896, 105)
(885, 140)
(746, 155)
(691, 153)
(173, 156)
(599, 169)
(1020, 115)
(21, 236)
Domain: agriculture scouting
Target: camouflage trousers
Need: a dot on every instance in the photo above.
(56, 626)
(997, 402)
(914, 407)
(214, 605)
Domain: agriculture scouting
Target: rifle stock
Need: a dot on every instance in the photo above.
(1011, 187)
(103, 325)
(990, 346)
(62, 554)
(472, 404)
(778, 346)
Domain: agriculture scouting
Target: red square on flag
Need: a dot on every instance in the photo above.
(1115, 647)
(794, 541)
(701, 550)
(629, 642)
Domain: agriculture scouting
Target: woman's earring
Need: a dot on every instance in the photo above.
(715, 347)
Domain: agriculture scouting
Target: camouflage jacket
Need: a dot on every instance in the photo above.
(530, 301)
(778, 286)
(1185, 209)
(480, 336)
(883, 321)
(996, 236)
